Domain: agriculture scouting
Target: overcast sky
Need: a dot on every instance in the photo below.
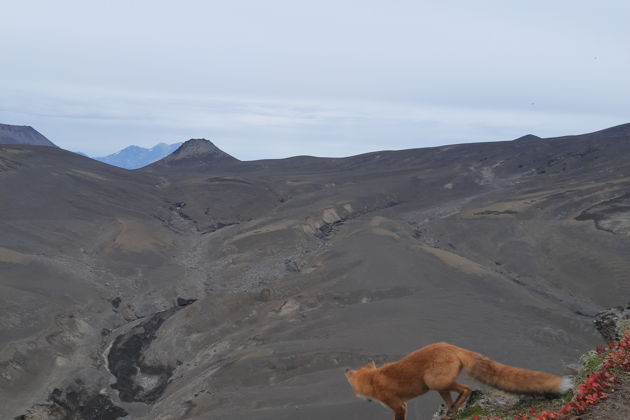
(327, 78)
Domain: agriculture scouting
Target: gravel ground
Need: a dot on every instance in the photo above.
(615, 407)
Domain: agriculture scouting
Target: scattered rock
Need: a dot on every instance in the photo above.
(216, 226)
(185, 302)
(494, 403)
(291, 265)
(116, 302)
(75, 402)
(495, 212)
(264, 295)
(328, 229)
(613, 322)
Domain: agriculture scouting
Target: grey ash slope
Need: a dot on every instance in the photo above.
(300, 267)
(22, 134)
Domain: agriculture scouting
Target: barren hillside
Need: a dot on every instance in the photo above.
(206, 287)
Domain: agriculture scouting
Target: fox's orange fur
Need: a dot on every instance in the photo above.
(435, 367)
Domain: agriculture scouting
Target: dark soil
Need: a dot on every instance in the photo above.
(617, 406)
(126, 360)
(77, 402)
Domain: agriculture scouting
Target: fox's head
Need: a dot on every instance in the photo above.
(359, 379)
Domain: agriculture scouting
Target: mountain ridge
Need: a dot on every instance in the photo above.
(135, 157)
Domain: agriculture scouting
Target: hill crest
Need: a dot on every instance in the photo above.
(196, 151)
(23, 134)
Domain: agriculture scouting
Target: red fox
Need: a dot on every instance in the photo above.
(435, 367)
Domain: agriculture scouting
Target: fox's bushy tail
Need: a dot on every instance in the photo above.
(509, 378)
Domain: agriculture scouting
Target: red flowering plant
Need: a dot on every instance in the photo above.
(596, 386)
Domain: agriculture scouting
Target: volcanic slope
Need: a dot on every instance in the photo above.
(300, 267)
(19, 134)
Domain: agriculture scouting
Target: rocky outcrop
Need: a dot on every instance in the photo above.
(491, 403)
(77, 401)
(137, 379)
(613, 322)
(610, 215)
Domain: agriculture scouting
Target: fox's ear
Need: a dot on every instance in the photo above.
(370, 365)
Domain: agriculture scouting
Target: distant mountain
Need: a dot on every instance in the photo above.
(528, 137)
(22, 134)
(134, 157)
(195, 153)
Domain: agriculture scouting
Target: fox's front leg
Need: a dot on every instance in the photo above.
(399, 407)
(400, 412)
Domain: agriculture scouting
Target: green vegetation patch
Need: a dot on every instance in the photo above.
(471, 411)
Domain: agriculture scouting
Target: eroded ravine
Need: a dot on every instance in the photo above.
(137, 380)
